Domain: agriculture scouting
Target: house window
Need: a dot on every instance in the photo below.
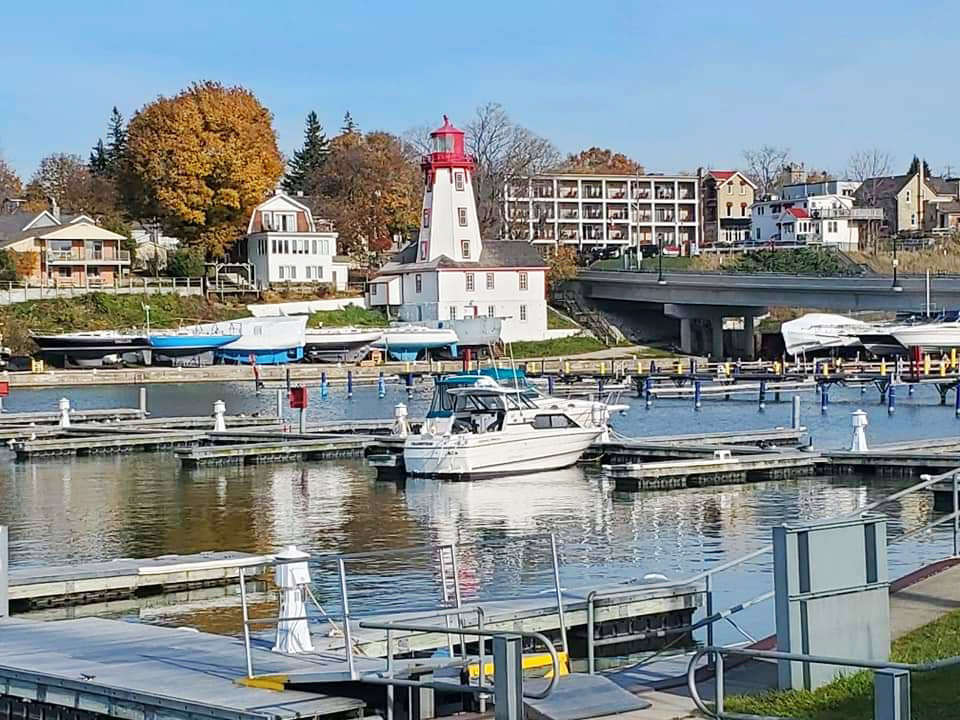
(758, 233)
(489, 281)
(423, 251)
(419, 314)
(313, 246)
(743, 189)
(374, 288)
(64, 272)
(319, 272)
(426, 217)
(524, 281)
(265, 221)
(469, 280)
(490, 311)
(458, 180)
(418, 283)
(908, 196)
(273, 246)
(453, 312)
(462, 216)
(281, 272)
(523, 313)
(309, 272)
(286, 247)
(324, 246)
(286, 222)
(293, 272)
(743, 209)
(730, 189)
(465, 249)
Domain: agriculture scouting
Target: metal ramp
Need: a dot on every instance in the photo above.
(580, 696)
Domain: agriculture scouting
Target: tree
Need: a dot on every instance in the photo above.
(370, 187)
(185, 262)
(9, 183)
(349, 126)
(116, 142)
(200, 162)
(562, 267)
(601, 161)
(763, 166)
(915, 167)
(503, 151)
(8, 266)
(97, 164)
(62, 178)
(868, 167)
(307, 161)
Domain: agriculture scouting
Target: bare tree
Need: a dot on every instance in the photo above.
(764, 164)
(869, 167)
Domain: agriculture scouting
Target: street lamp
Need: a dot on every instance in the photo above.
(897, 287)
(660, 279)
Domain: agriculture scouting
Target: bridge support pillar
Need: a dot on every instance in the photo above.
(749, 345)
(686, 335)
(716, 338)
(714, 314)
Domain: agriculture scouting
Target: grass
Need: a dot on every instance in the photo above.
(574, 345)
(350, 316)
(100, 311)
(942, 258)
(556, 321)
(933, 695)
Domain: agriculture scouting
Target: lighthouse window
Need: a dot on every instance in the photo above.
(462, 216)
(490, 310)
(469, 281)
(489, 281)
(523, 313)
(418, 282)
(423, 251)
(426, 218)
(465, 249)
(524, 281)
(458, 182)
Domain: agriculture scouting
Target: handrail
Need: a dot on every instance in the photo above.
(554, 658)
(720, 652)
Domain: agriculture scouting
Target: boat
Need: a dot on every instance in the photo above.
(485, 430)
(407, 342)
(93, 345)
(344, 344)
(815, 332)
(274, 340)
(941, 334)
(192, 339)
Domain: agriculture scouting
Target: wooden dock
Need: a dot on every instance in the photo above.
(711, 471)
(280, 449)
(901, 459)
(77, 584)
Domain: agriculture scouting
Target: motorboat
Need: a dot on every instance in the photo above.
(342, 344)
(490, 430)
(90, 345)
(265, 341)
(406, 342)
(192, 339)
(941, 334)
(815, 332)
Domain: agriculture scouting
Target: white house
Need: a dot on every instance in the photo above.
(450, 273)
(811, 214)
(286, 244)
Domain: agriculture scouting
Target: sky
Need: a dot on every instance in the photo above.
(675, 85)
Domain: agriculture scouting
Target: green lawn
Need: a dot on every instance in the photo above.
(351, 315)
(556, 321)
(554, 348)
(934, 696)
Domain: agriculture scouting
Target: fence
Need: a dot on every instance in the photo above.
(17, 291)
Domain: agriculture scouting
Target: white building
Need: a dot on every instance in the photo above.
(821, 214)
(451, 273)
(286, 244)
(605, 210)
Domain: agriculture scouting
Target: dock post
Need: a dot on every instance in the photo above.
(143, 400)
(824, 397)
(891, 397)
(708, 591)
(219, 410)
(648, 391)
(550, 383)
(409, 381)
(349, 384)
(762, 397)
(559, 588)
(697, 404)
(859, 441)
(303, 419)
(796, 412)
(956, 530)
(382, 386)
(508, 677)
(287, 374)
(956, 400)
(324, 386)
(347, 632)
(4, 574)
(280, 404)
(64, 406)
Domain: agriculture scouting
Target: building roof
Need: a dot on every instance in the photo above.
(14, 223)
(724, 175)
(798, 213)
(500, 253)
(949, 207)
(943, 186)
(882, 188)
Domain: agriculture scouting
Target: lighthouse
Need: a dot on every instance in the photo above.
(449, 275)
(448, 225)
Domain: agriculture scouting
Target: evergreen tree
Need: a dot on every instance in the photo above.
(915, 167)
(116, 141)
(349, 126)
(308, 159)
(98, 159)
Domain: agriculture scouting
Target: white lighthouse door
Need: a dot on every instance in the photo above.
(469, 311)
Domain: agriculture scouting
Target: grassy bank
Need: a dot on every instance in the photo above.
(99, 311)
(933, 695)
(556, 321)
(350, 316)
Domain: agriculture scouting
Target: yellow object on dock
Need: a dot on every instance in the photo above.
(926, 364)
(533, 661)
(277, 683)
(883, 366)
(36, 366)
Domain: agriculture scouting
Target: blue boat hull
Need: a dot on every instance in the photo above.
(179, 345)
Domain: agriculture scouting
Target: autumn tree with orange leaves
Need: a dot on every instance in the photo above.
(600, 161)
(200, 162)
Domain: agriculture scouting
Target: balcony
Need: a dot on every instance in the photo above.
(618, 232)
(593, 232)
(640, 192)
(664, 191)
(593, 212)
(617, 212)
(84, 255)
(569, 233)
(847, 213)
(687, 191)
(592, 190)
(568, 190)
(543, 211)
(543, 191)
(688, 214)
(665, 216)
(616, 191)
(544, 232)
(569, 212)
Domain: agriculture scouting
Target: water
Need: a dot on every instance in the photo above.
(145, 505)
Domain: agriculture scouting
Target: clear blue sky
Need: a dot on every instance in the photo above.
(672, 84)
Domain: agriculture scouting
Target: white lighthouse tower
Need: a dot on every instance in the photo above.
(451, 277)
(449, 224)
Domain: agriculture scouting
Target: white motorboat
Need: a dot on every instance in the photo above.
(820, 331)
(486, 429)
(942, 334)
(340, 344)
(406, 342)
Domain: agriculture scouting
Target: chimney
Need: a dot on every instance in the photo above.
(55, 209)
(299, 193)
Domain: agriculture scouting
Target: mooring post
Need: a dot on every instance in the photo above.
(382, 386)
(324, 386)
(762, 397)
(4, 574)
(550, 384)
(956, 400)
(508, 677)
(697, 404)
(891, 397)
(796, 412)
(648, 391)
(143, 400)
(824, 397)
(64, 406)
(349, 384)
(219, 421)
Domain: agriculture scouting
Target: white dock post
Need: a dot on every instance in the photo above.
(401, 427)
(143, 400)
(219, 422)
(292, 575)
(64, 406)
(859, 441)
(796, 413)
(4, 574)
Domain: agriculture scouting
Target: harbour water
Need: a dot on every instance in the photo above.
(145, 505)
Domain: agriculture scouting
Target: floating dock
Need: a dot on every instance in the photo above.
(77, 584)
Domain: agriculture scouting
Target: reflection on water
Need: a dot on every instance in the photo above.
(144, 505)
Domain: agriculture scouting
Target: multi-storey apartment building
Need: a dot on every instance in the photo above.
(605, 210)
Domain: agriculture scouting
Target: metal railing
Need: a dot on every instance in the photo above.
(86, 254)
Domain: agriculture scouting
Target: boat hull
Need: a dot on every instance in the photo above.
(180, 345)
(934, 337)
(331, 347)
(89, 347)
(467, 456)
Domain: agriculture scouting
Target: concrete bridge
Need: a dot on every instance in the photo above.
(711, 297)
